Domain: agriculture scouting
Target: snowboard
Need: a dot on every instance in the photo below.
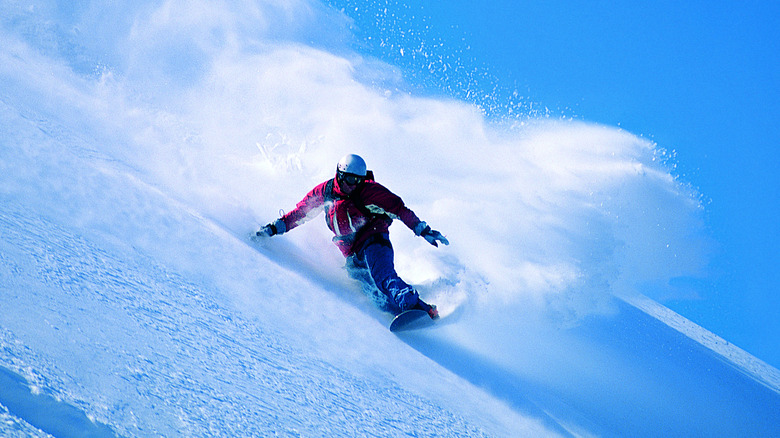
(410, 320)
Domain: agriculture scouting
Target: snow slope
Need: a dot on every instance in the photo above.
(142, 145)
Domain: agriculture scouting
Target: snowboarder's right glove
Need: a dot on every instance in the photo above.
(432, 236)
(272, 229)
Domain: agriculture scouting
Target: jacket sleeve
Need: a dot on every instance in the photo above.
(309, 207)
(380, 200)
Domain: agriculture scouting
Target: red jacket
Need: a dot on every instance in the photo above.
(344, 214)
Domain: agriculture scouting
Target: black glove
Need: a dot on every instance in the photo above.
(432, 236)
(267, 231)
(272, 229)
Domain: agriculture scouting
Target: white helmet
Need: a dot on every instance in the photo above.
(352, 164)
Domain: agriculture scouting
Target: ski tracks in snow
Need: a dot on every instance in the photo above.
(148, 352)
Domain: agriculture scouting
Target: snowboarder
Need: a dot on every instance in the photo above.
(359, 211)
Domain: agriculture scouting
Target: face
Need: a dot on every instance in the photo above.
(349, 182)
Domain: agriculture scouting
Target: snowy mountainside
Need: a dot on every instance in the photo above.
(133, 303)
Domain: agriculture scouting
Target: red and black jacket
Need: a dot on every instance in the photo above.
(353, 218)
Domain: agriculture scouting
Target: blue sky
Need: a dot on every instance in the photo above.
(701, 79)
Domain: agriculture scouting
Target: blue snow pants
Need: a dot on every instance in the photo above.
(377, 257)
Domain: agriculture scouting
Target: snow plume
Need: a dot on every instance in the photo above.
(226, 106)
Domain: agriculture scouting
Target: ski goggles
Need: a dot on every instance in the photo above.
(350, 178)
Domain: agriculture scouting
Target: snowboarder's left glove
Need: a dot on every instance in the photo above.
(432, 236)
(272, 229)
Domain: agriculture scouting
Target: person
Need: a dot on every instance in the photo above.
(359, 211)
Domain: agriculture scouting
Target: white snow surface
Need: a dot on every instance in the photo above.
(142, 144)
